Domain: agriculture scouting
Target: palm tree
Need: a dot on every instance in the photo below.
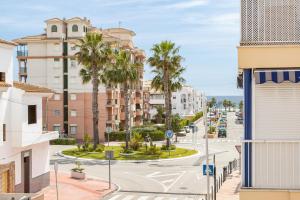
(225, 104)
(125, 72)
(94, 54)
(176, 81)
(159, 114)
(165, 60)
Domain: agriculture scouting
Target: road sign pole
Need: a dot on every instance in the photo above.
(215, 178)
(206, 144)
(109, 171)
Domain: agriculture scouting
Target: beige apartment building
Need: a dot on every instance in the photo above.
(48, 60)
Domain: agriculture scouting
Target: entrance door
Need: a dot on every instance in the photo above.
(4, 185)
(26, 174)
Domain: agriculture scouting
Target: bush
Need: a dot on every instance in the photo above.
(212, 129)
(100, 148)
(63, 141)
(153, 132)
(152, 150)
(197, 116)
(123, 146)
(164, 147)
(136, 142)
(86, 142)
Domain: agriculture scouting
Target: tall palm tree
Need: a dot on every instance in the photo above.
(166, 59)
(94, 54)
(124, 71)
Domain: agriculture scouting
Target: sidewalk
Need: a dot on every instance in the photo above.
(72, 189)
(230, 188)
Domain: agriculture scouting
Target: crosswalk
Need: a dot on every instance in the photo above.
(124, 196)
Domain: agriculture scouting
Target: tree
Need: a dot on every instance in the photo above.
(124, 71)
(212, 102)
(225, 104)
(165, 60)
(241, 106)
(160, 114)
(94, 54)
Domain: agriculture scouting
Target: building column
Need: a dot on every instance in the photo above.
(247, 178)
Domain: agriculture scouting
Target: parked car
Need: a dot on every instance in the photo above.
(187, 129)
(222, 133)
(181, 133)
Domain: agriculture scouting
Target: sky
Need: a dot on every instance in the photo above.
(207, 31)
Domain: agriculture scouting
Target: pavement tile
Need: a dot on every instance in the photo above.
(72, 189)
(230, 188)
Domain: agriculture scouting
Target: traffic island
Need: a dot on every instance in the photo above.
(143, 153)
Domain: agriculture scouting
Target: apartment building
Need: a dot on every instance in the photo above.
(185, 102)
(24, 146)
(269, 64)
(48, 60)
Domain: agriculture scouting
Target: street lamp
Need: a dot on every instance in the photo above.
(206, 144)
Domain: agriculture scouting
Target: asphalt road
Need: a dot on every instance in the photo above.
(159, 180)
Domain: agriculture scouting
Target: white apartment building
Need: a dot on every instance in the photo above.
(185, 102)
(48, 60)
(24, 146)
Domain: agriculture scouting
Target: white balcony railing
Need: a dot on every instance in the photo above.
(271, 164)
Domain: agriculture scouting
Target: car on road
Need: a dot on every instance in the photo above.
(187, 129)
(222, 133)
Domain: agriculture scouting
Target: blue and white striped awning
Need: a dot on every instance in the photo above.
(277, 76)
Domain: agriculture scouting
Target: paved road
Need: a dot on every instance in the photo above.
(175, 179)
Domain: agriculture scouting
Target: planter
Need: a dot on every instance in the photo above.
(78, 175)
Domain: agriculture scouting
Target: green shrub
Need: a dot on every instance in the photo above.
(86, 142)
(197, 116)
(63, 141)
(152, 150)
(136, 141)
(129, 150)
(100, 148)
(212, 129)
(164, 147)
(153, 132)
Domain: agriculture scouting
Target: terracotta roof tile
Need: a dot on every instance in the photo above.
(32, 88)
(3, 84)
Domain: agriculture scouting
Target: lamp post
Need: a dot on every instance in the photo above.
(206, 144)
(56, 186)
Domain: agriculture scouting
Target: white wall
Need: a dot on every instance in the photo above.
(6, 62)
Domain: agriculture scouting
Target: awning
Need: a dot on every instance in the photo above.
(277, 76)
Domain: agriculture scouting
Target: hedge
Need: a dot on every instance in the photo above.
(154, 133)
(63, 141)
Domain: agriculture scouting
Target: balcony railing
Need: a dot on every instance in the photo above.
(22, 53)
(23, 70)
(270, 22)
(271, 164)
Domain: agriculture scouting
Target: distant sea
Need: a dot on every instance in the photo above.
(235, 99)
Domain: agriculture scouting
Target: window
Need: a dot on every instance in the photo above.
(174, 97)
(73, 113)
(56, 97)
(4, 132)
(56, 59)
(73, 97)
(56, 127)
(73, 129)
(74, 28)
(56, 112)
(2, 76)
(32, 114)
(184, 106)
(53, 28)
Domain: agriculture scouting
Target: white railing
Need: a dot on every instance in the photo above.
(271, 164)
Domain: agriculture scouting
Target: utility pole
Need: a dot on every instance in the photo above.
(207, 153)
(215, 178)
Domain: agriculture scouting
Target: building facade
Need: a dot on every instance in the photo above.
(24, 146)
(269, 62)
(185, 102)
(48, 60)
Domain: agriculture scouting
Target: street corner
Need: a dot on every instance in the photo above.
(89, 188)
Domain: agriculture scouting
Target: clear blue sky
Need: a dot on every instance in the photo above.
(206, 30)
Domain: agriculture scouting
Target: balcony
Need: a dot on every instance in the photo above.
(270, 22)
(271, 164)
(26, 139)
(23, 71)
(23, 53)
(110, 103)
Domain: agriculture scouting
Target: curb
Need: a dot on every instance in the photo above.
(127, 161)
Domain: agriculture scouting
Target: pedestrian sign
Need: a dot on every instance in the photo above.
(210, 169)
(169, 134)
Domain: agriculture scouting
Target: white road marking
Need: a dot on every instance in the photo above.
(153, 174)
(115, 197)
(143, 198)
(128, 197)
(168, 181)
(179, 177)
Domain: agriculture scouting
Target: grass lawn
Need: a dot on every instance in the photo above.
(139, 155)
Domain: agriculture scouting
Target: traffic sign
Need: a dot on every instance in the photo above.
(169, 134)
(210, 169)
